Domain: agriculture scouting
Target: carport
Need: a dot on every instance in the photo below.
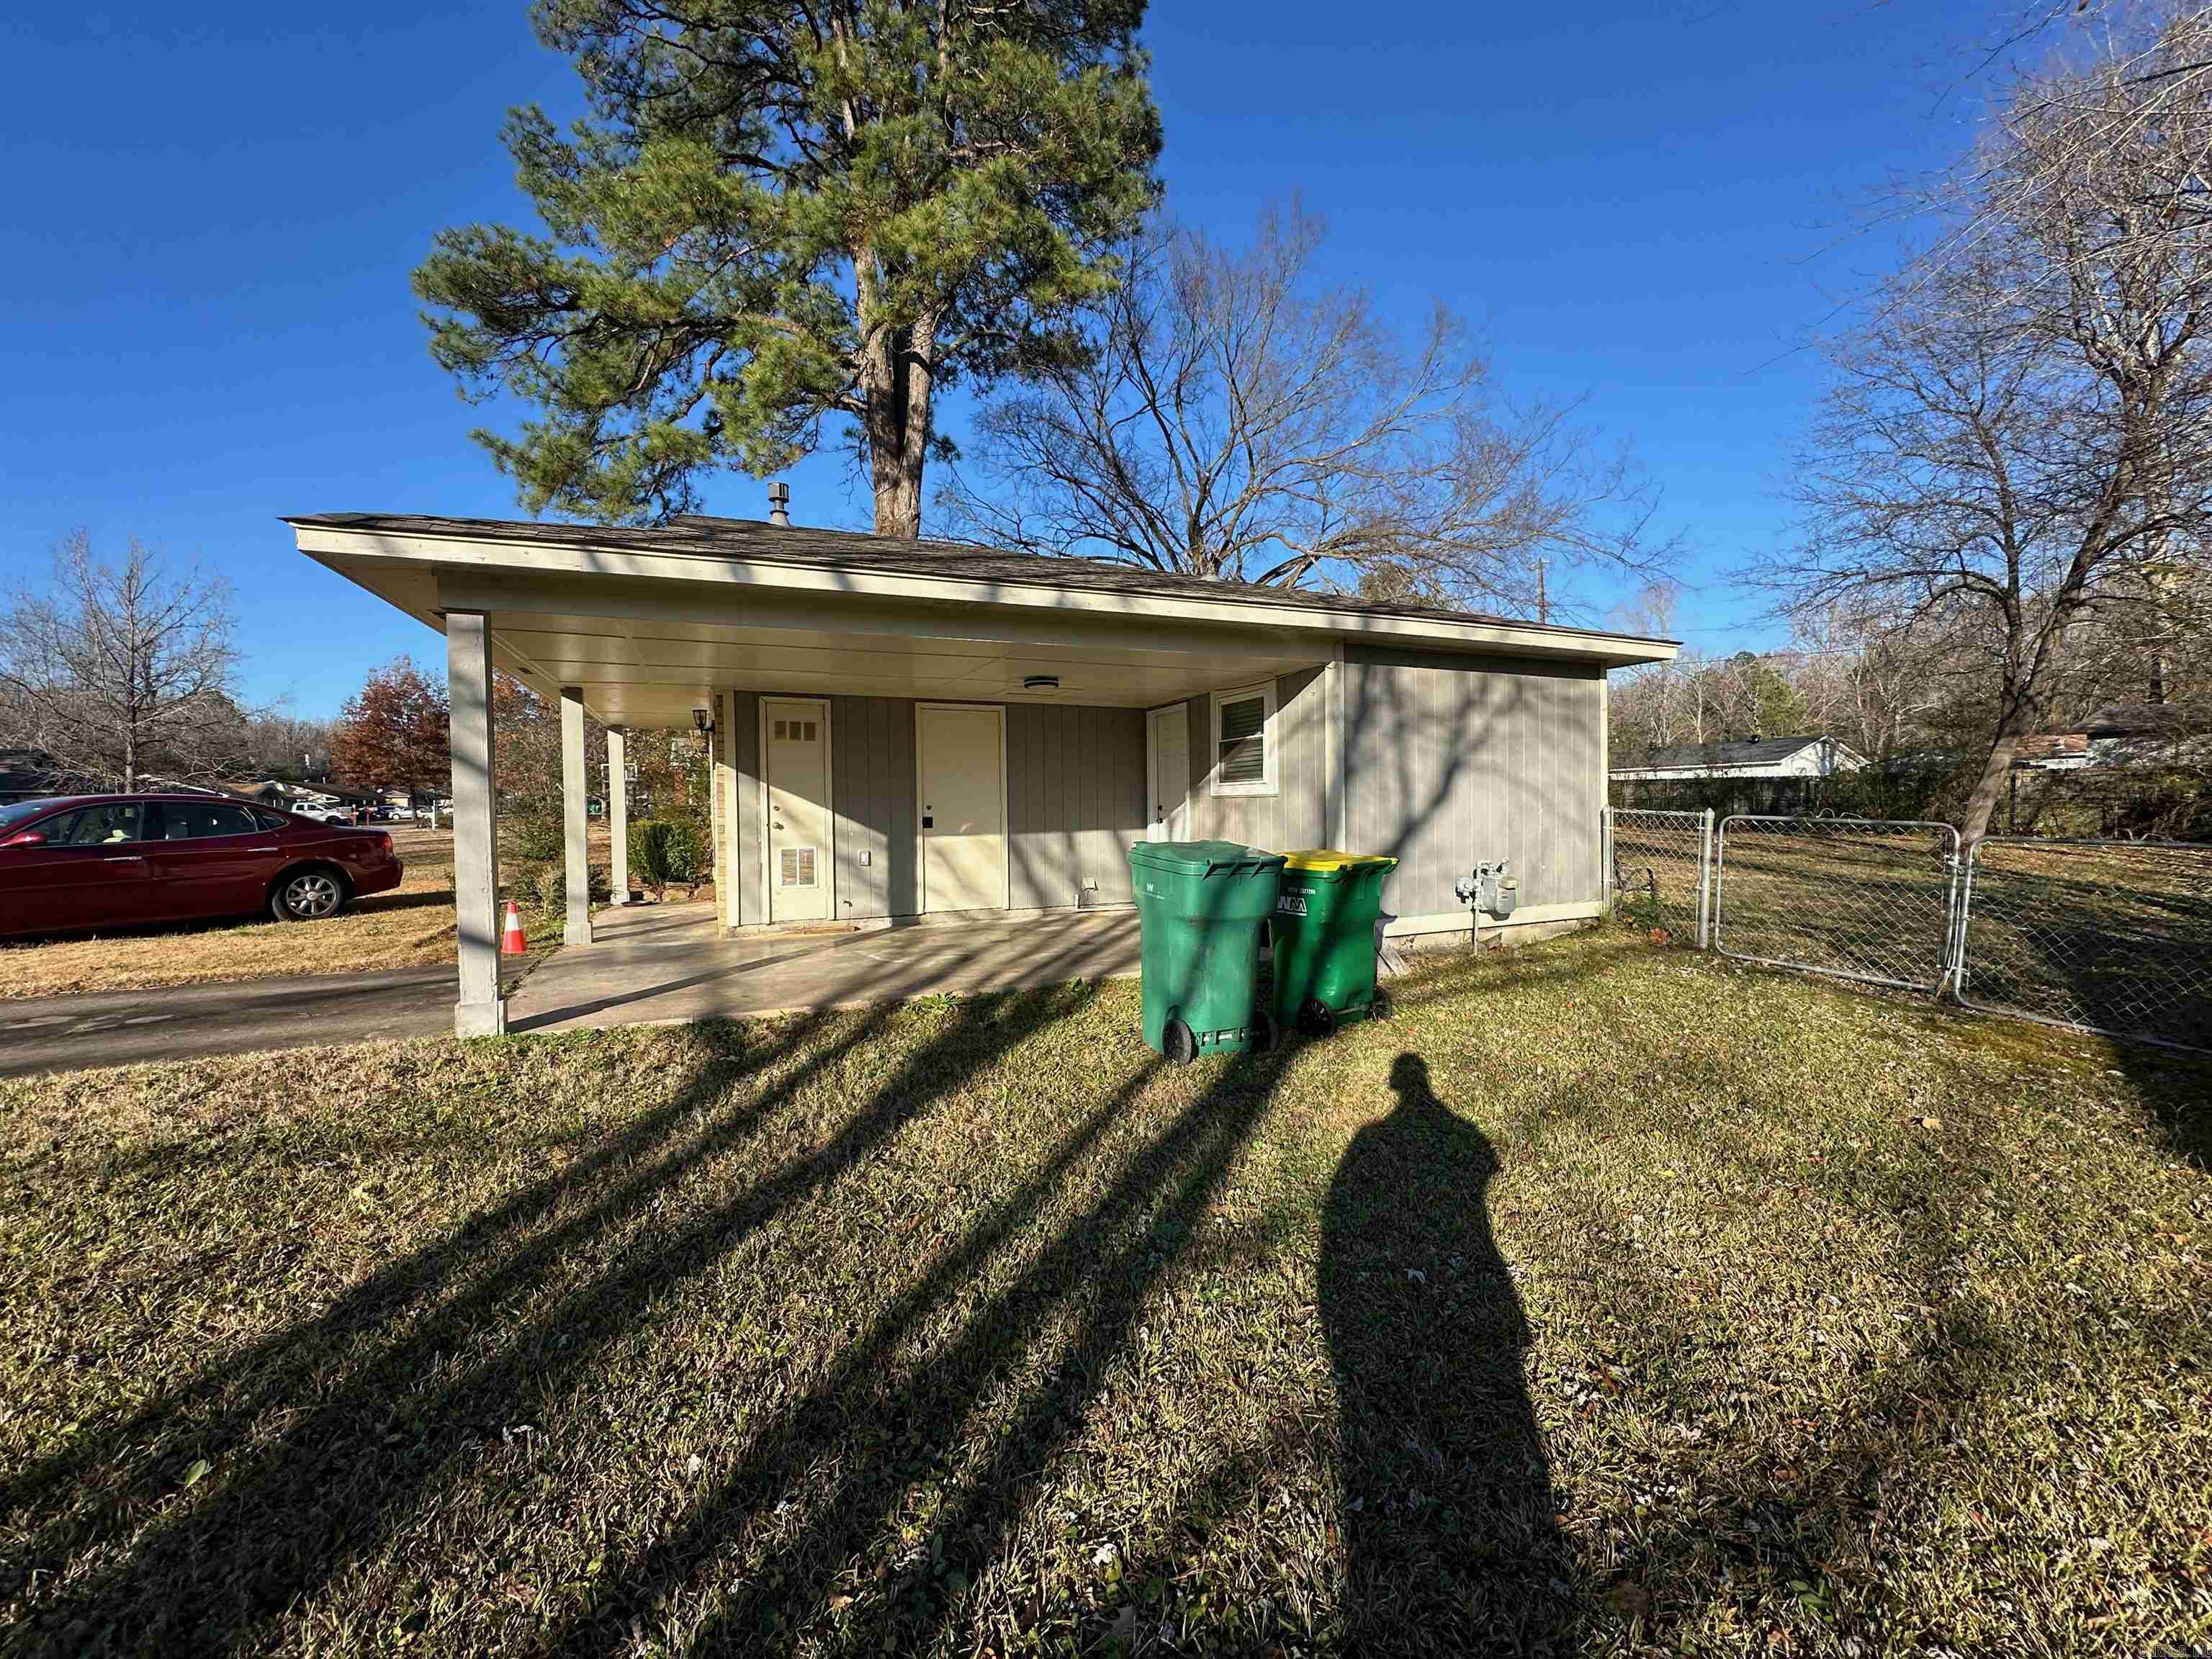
(908, 732)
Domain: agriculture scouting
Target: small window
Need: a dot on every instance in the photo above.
(809, 736)
(795, 867)
(783, 731)
(1243, 741)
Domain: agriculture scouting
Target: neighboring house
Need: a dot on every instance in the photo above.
(1756, 774)
(2120, 734)
(29, 774)
(901, 729)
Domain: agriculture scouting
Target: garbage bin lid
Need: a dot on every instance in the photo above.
(1327, 857)
(1198, 858)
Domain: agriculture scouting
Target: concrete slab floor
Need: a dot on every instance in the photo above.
(658, 963)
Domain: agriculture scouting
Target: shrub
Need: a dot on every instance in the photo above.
(534, 838)
(668, 851)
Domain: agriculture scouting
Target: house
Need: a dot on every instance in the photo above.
(2119, 734)
(903, 729)
(29, 774)
(1752, 774)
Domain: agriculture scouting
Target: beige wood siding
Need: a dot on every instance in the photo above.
(1075, 799)
(1294, 817)
(1450, 761)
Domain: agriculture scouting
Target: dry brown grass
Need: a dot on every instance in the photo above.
(1606, 1301)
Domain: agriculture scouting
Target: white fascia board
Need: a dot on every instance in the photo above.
(450, 552)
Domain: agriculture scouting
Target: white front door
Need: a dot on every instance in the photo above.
(795, 740)
(960, 768)
(1167, 773)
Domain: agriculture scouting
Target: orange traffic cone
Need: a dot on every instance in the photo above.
(511, 942)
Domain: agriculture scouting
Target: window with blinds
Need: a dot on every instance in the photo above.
(1243, 759)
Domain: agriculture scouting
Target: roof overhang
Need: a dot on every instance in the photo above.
(649, 632)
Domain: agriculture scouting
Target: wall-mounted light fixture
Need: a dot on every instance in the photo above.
(701, 722)
(1041, 683)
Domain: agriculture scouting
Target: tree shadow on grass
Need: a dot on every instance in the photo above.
(1451, 1528)
(382, 1406)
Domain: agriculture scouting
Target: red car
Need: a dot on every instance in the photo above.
(88, 861)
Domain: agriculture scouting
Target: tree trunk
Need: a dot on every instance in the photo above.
(2021, 713)
(897, 379)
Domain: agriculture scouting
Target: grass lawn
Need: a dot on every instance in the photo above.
(1607, 1300)
(411, 927)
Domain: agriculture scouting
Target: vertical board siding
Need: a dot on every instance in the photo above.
(1296, 815)
(1075, 799)
(1453, 761)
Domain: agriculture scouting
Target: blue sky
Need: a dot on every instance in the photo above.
(214, 212)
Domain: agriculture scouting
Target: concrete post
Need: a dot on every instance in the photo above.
(481, 1010)
(618, 809)
(575, 801)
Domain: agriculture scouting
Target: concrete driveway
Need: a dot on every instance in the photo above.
(658, 963)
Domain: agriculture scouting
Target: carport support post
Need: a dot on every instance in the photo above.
(481, 1012)
(576, 801)
(618, 808)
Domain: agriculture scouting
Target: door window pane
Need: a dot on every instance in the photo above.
(95, 826)
(193, 821)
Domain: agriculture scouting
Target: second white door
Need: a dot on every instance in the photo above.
(960, 756)
(1167, 773)
(795, 737)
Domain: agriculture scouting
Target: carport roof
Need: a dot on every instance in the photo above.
(753, 543)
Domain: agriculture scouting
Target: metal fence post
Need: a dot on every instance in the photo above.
(1706, 880)
(1606, 896)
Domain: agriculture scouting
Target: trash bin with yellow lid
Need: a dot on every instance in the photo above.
(1323, 930)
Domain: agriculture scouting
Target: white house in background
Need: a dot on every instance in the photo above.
(1808, 757)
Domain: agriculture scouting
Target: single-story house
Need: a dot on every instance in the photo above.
(2119, 734)
(1755, 774)
(909, 729)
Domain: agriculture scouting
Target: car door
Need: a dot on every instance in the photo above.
(87, 869)
(213, 858)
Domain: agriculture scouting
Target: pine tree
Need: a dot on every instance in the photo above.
(782, 212)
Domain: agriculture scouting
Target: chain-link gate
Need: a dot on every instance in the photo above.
(2112, 937)
(1659, 864)
(1869, 899)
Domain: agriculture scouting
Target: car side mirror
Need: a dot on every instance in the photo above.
(28, 838)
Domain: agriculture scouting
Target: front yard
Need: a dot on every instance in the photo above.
(1607, 1300)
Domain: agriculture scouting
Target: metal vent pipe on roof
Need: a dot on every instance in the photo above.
(779, 504)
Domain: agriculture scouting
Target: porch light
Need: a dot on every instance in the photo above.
(1041, 683)
(699, 723)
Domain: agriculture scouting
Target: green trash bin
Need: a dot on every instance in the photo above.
(1324, 939)
(1200, 906)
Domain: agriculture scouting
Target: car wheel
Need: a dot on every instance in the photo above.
(307, 895)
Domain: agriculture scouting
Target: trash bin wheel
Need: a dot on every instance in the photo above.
(1177, 1044)
(1265, 1034)
(1381, 1007)
(1317, 1018)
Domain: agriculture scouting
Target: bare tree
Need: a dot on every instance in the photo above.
(1237, 418)
(2017, 441)
(121, 671)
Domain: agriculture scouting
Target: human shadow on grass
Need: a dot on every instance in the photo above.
(417, 1370)
(1451, 1528)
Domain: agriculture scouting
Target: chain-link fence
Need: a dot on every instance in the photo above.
(1660, 866)
(2104, 936)
(1862, 898)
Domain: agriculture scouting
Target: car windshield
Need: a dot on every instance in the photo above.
(17, 811)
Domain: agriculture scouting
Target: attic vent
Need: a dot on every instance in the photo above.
(795, 867)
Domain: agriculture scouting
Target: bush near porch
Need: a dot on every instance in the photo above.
(1604, 1301)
